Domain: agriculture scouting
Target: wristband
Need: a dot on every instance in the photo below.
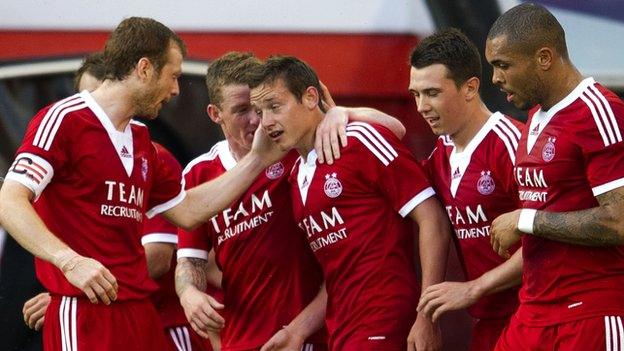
(526, 219)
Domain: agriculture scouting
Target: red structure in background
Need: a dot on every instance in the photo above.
(360, 69)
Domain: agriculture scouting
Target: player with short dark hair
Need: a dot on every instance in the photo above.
(570, 171)
(471, 169)
(352, 214)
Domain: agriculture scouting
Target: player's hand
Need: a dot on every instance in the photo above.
(265, 149)
(201, 311)
(34, 310)
(504, 232)
(447, 296)
(424, 336)
(326, 98)
(90, 276)
(331, 134)
(284, 340)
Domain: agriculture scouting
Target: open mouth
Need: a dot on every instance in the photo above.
(276, 134)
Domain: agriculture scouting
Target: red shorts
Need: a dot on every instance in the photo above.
(595, 334)
(75, 324)
(184, 338)
(485, 333)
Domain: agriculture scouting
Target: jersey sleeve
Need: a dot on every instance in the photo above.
(44, 149)
(195, 243)
(601, 141)
(390, 167)
(159, 230)
(167, 189)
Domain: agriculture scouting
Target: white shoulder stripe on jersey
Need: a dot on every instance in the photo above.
(169, 238)
(370, 147)
(508, 144)
(511, 136)
(603, 115)
(193, 253)
(609, 111)
(208, 156)
(416, 200)
(511, 126)
(52, 112)
(375, 134)
(57, 124)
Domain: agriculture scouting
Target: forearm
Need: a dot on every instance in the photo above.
(214, 274)
(592, 227)
(504, 276)
(20, 220)
(207, 199)
(370, 115)
(434, 242)
(191, 273)
(312, 317)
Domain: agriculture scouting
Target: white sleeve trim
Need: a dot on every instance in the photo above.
(32, 171)
(416, 200)
(601, 189)
(159, 238)
(167, 205)
(193, 253)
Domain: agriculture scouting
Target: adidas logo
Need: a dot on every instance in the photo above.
(124, 152)
(535, 130)
(457, 173)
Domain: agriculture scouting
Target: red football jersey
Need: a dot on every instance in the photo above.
(269, 274)
(476, 186)
(567, 156)
(352, 212)
(94, 184)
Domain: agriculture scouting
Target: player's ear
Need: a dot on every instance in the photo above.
(214, 113)
(544, 57)
(471, 88)
(310, 97)
(144, 69)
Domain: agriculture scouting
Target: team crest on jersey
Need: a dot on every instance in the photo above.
(485, 185)
(332, 187)
(275, 170)
(144, 168)
(548, 151)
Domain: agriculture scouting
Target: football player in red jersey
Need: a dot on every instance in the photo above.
(352, 214)
(471, 169)
(570, 171)
(82, 181)
(264, 262)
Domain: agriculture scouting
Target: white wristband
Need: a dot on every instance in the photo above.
(526, 219)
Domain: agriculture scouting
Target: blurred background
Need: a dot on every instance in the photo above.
(359, 49)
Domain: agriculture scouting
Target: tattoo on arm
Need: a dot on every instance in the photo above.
(191, 272)
(598, 226)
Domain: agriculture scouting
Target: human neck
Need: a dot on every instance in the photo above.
(116, 101)
(238, 151)
(476, 117)
(564, 80)
(306, 143)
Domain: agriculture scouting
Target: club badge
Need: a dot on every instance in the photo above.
(548, 151)
(275, 171)
(144, 168)
(485, 185)
(332, 187)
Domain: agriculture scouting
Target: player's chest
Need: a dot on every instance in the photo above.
(548, 157)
